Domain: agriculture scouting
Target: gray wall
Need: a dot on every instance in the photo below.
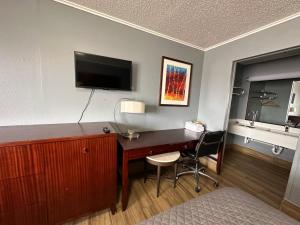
(37, 78)
(216, 82)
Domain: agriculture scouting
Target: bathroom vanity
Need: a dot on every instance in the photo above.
(265, 133)
(265, 107)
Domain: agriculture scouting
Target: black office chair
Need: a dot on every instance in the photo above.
(209, 144)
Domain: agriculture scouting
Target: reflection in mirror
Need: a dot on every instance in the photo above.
(274, 101)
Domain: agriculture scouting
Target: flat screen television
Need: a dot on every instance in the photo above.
(94, 71)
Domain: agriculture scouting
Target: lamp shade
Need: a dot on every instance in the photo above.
(130, 106)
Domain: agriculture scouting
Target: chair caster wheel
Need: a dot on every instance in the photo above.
(216, 185)
(203, 170)
(197, 189)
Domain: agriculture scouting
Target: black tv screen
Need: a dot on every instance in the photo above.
(94, 71)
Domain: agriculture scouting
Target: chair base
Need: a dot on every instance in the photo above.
(197, 171)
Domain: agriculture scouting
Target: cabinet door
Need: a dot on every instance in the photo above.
(30, 215)
(22, 190)
(80, 177)
(66, 166)
(102, 177)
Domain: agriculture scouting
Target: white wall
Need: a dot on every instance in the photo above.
(37, 77)
(216, 78)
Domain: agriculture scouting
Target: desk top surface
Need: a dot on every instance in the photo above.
(159, 137)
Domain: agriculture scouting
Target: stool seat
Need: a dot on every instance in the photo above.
(163, 159)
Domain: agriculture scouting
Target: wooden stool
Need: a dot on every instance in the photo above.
(163, 160)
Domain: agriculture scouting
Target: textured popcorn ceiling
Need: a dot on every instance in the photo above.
(203, 23)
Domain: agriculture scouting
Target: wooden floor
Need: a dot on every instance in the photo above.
(265, 181)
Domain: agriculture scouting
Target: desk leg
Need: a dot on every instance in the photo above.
(220, 159)
(124, 181)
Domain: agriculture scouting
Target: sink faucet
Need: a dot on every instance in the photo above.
(254, 115)
(287, 126)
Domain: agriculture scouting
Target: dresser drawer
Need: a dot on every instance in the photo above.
(154, 150)
(18, 161)
(165, 149)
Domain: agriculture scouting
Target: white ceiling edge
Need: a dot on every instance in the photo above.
(283, 20)
(115, 19)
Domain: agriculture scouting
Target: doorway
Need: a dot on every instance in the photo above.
(265, 98)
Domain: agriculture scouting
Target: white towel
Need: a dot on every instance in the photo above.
(196, 127)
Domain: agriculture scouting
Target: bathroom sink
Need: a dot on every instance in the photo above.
(269, 130)
(284, 133)
(273, 134)
(244, 125)
(256, 127)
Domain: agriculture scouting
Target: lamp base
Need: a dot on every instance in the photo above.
(131, 135)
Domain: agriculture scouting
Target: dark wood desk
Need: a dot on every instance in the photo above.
(151, 143)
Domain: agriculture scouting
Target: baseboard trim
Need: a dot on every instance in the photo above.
(290, 209)
(258, 155)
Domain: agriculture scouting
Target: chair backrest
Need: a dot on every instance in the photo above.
(209, 143)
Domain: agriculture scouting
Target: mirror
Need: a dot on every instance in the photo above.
(275, 102)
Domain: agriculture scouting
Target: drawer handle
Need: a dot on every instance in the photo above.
(85, 150)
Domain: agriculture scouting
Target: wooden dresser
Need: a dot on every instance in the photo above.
(50, 174)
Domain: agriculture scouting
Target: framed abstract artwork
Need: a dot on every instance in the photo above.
(175, 82)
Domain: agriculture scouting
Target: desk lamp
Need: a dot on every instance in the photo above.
(131, 106)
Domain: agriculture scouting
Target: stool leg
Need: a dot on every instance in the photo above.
(158, 181)
(175, 174)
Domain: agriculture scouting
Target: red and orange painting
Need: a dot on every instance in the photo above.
(175, 82)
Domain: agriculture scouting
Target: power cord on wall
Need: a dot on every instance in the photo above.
(87, 104)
